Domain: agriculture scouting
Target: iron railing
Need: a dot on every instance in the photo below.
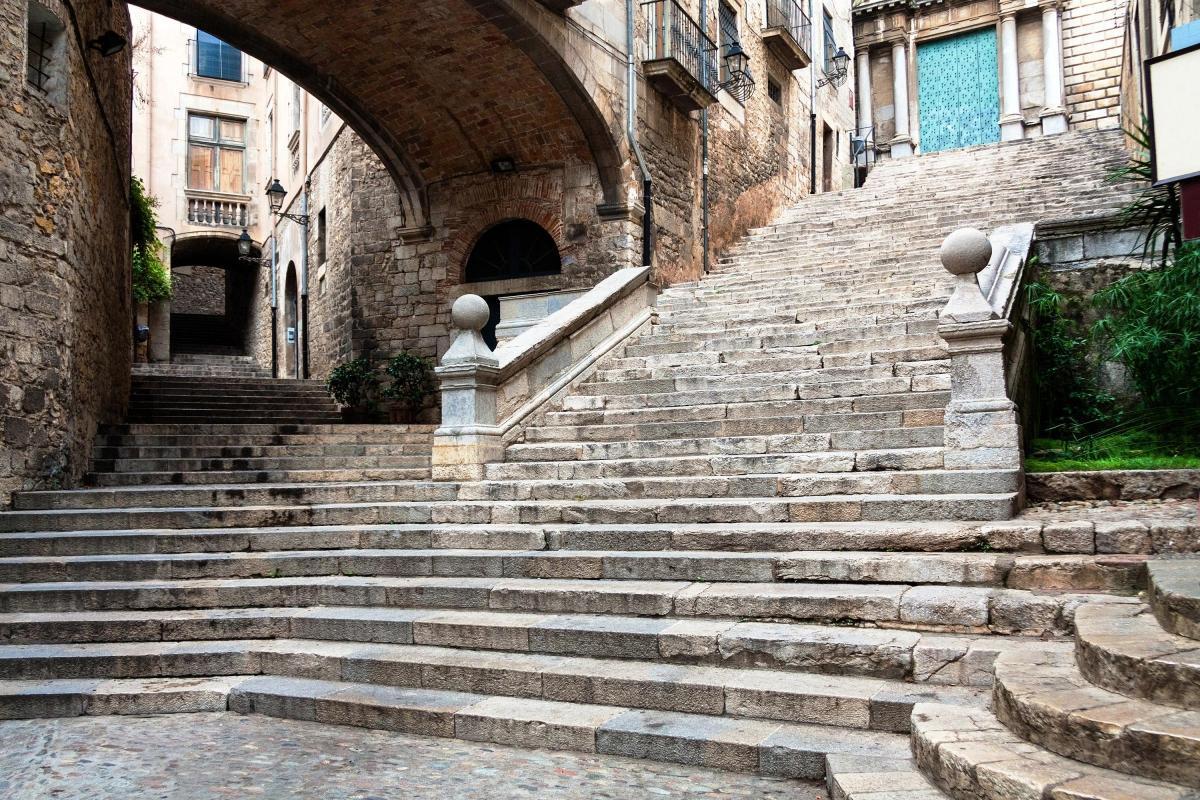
(672, 33)
(862, 153)
(789, 15)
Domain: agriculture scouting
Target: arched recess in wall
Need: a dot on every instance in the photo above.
(214, 291)
(512, 249)
(374, 62)
(291, 322)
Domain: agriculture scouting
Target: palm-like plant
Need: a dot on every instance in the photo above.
(1156, 209)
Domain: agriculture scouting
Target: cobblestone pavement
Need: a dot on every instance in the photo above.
(1114, 510)
(222, 756)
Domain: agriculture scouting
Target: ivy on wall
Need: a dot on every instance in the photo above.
(151, 278)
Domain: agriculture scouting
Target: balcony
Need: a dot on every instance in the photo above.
(680, 58)
(218, 211)
(560, 6)
(786, 34)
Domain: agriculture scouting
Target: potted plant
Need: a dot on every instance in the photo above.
(355, 386)
(411, 383)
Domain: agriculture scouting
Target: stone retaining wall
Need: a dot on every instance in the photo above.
(65, 307)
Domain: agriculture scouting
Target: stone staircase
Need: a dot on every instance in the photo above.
(734, 545)
(212, 419)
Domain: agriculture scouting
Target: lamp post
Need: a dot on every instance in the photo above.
(740, 83)
(837, 76)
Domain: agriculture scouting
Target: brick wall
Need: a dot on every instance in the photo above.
(65, 312)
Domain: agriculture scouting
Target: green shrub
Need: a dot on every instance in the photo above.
(354, 384)
(1069, 401)
(1151, 325)
(1155, 209)
(151, 278)
(411, 381)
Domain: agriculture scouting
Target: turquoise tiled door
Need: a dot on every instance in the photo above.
(958, 92)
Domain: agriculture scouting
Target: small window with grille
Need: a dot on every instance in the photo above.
(774, 91)
(44, 52)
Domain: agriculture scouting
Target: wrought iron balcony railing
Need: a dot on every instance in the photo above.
(787, 20)
(674, 34)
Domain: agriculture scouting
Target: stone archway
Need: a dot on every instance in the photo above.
(372, 64)
(291, 323)
(213, 294)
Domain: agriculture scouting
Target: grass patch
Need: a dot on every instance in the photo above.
(1134, 450)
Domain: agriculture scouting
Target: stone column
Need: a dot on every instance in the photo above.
(902, 141)
(468, 437)
(862, 69)
(1012, 126)
(1054, 114)
(982, 430)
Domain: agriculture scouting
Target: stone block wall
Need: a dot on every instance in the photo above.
(65, 308)
(198, 290)
(1093, 34)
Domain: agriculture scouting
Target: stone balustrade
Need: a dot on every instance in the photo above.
(486, 395)
(982, 425)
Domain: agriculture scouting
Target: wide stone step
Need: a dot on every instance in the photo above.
(1060, 573)
(736, 404)
(297, 454)
(846, 702)
(835, 508)
(758, 746)
(749, 426)
(247, 443)
(845, 441)
(936, 482)
(937, 658)
(257, 475)
(969, 754)
(1123, 649)
(947, 608)
(921, 458)
(668, 344)
(732, 537)
(198, 415)
(1043, 696)
(134, 463)
(1175, 595)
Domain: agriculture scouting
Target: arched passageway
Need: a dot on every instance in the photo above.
(291, 324)
(438, 89)
(213, 292)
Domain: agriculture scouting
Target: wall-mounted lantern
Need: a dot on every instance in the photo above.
(840, 68)
(276, 194)
(740, 83)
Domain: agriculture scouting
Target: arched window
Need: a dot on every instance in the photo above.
(514, 249)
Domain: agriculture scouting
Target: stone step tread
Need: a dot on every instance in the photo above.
(209, 477)
(1124, 649)
(1175, 594)
(771, 748)
(824, 508)
(952, 608)
(969, 754)
(727, 537)
(1044, 697)
(935, 658)
(855, 777)
(1059, 572)
(861, 703)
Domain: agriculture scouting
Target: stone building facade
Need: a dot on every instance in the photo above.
(958, 73)
(65, 315)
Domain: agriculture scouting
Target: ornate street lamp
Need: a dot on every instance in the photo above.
(276, 194)
(837, 75)
(740, 83)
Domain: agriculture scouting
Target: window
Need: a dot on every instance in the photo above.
(271, 139)
(297, 101)
(324, 115)
(321, 236)
(44, 61)
(215, 59)
(518, 248)
(216, 154)
(727, 30)
(830, 47)
(774, 91)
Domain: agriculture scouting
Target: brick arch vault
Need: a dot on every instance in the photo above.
(436, 88)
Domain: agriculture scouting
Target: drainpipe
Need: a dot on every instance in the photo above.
(631, 134)
(704, 157)
(304, 283)
(274, 306)
(812, 100)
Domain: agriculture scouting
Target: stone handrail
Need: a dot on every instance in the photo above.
(982, 426)
(487, 396)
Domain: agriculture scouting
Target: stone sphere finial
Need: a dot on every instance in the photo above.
(470, 313)
(966, 251)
